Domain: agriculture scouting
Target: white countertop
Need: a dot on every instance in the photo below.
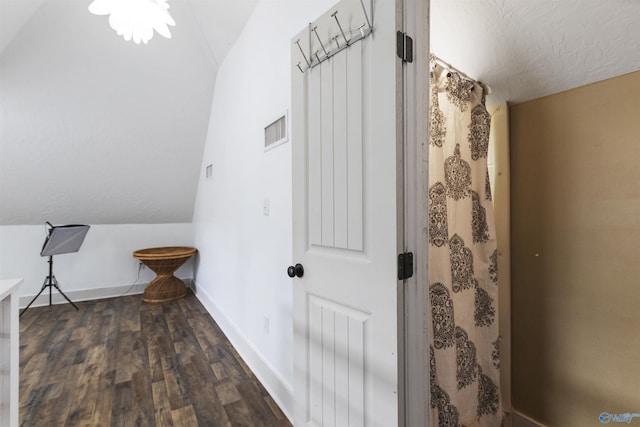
(8, 286)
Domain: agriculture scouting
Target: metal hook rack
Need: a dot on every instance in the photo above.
(327, 51)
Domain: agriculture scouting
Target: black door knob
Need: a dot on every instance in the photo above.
(298, 270)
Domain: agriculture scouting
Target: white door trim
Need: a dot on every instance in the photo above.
(413, 312)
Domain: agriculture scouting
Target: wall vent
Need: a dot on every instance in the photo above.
(275, 133)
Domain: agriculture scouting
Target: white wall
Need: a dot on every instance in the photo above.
(244, 254)
(103, 267)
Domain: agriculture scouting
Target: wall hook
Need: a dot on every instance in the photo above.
(302, 52)
(335, 15)
(329, 50)
(315, 30)
(366, 16)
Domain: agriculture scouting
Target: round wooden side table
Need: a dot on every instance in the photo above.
(164, 262)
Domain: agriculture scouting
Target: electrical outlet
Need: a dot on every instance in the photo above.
(266, 324)
(140, 266)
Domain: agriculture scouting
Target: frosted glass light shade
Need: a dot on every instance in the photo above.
(135, 19)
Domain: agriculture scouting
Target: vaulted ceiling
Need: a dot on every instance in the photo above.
(94, 129)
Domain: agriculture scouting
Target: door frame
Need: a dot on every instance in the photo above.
(413, 161)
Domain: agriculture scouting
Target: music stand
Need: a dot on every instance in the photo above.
(61, 239)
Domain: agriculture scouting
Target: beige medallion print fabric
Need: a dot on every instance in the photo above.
(463, 275)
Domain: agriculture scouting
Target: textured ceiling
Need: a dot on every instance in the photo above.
(526, 49)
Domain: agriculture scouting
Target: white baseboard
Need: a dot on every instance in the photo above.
(278, 388)
(521, 420)
(87, 294)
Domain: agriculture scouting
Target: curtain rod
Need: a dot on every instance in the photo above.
(436, 59)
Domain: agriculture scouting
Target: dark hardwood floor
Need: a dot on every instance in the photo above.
(122, 362)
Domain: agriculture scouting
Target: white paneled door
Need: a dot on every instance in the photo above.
(345, 218)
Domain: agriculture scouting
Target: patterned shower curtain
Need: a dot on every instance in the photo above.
(463, 276)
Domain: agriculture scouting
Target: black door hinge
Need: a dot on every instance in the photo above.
(404, 46)
(405, 265)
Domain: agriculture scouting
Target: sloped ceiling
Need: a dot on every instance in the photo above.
(94, 129)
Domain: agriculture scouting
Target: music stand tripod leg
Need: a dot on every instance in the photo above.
(47, 283)
(55, 283)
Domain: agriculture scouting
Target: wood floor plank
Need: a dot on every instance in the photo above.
(122, 402)
(240, 415)
(36, 395)
(228, 393)
(185, 417)
(31, 371)
(174, 384)
(253, 397)
(205, 400)
(218, 371)
(161, 405)
(60, 406)
(143, 411)
(154, 349)
(124, 356)
(123, 362)
(104, 400)
(89, 386)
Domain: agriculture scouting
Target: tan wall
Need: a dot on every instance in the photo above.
(575, 204)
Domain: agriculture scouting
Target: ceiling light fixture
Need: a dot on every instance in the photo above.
(135, 19)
